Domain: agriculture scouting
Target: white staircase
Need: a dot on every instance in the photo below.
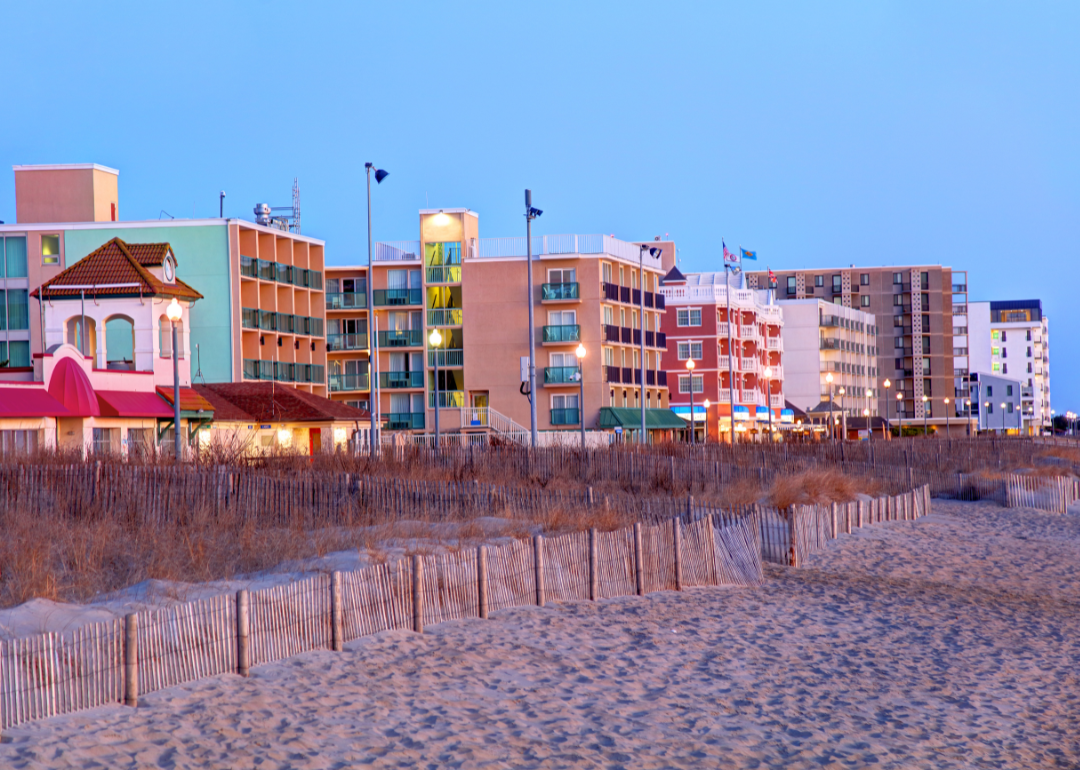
(479, 417)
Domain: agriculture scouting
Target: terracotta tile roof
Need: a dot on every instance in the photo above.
(118, 262)
(273, 402)
(190, 399)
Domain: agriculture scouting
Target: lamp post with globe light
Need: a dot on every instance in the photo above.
(436, 340)
(690, 369)
(174, 313)
(1002, 418)
(843, 415)
(768, 397)
(887, 384)
(899, 419)
(580, 353)
(707, 404)
(947, 417)
(829, 379)
(869, 430)
(925, 413)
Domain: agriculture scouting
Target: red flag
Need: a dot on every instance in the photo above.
(772, 276)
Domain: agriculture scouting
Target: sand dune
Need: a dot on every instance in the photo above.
(950, 643)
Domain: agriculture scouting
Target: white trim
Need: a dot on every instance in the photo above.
(26, 227)
(67, 167)
(425, 212)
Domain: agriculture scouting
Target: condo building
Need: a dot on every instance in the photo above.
(830, 352)
(264, 312)
(587, 290)
(738, 356)
(921, 320)
(1011, 339)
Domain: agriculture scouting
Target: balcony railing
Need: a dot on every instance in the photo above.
(554, 292)
(749, 364)
(284, 323)
(776, 401)
(450, 316)
(562, 375)
(255, 369)
(959, 310)
(564, 333)
(443, 274)
(565, 416)
(346, 342)
(390, 297)
(748, 396)
(395, 380)
(449, 358)
(340, 383)
(829, 320)
(401, 338)
(626, 335)
(775, 343)
(448, 399)
(830, 343)
(397, 251)
(749, 332)
(610, 291)
(249, 267)
(612, 374)
(661, 379)
(344, 300)
(611, 333)
(959, 288)
(403, 420)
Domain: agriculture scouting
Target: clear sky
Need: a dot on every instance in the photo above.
(821, 134)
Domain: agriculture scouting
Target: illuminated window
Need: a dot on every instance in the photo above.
(50, 249)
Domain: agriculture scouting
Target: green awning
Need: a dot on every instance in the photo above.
(630, 419)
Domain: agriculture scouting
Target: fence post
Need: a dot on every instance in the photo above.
(131, 660)
(792, 558)
(538, 568)
(689, 507)
(677, 537)
(834, 533)
(481, 582)
(589, 497)
(859, 520)
(594, 581)
(337, 622)
(243, 632)
(639, 578)
(418, 593)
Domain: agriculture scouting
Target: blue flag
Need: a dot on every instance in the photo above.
(748, 254)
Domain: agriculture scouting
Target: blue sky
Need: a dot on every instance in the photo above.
(820, 134)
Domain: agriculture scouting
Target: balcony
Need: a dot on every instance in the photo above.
(959, 310)
(450, 316)
(255, 369)
(610, 291)
(722, 363)
(566, 333)
(959, 288)
(248, 267)
(1026, 392)
(560, 292)
(748, 364)
(749, 332)
(448, 399)
(654, 339)
(612, 374)
(829, 320)
(565, 417)
(775, 343)
(626, 335)
(661, 379)
(777, 372)
(339, 342)
(342, 383)
(449, 358)
(611, 333)
(392, 297)
(345, 300)
(562, 375)
(401, 338)
(959, 351)
(627, 375)
(403, 420)
(830, 343)
(776, 401)
(267, 320)
(443, 274)
(722, 328)
(399, 380)
(748, 396)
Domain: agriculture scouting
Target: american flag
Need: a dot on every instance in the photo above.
(728, 256)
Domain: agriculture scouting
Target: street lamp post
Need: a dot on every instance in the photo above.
(887, 384)
(899, 419)
(843, 416)
(530, 215)
(1002, 418)
(925, 410)
(832, 429)
(373, 405)
(768, 397)
(690, 369)
(869, 395)
(174, 313)
(947, 418)
(869, 430)
(580, 353)
(436, 339)
(706, 405)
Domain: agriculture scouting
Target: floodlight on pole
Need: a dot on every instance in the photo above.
(373, 348)
(531, 214)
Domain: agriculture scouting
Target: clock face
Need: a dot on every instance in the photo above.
(170, 272)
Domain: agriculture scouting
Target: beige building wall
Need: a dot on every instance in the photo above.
(80, 192)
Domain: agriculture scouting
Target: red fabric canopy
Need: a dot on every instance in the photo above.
(121, 403)
(30, 402)
(71, 387)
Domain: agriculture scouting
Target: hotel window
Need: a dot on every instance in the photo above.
(791, 283)
(819, 280)
(622, 276)
(684, 383)
(1004, 352)
(563, 275)
(1004, 336)
(898, 299)
(1004, 368)
(1008, 390)
(865, 300)
(995, 335)
(898, 279)
(1029, 352)
(837, 284)
(609, 357)
(50, 249)
(864, 279)
(688, 316)
(13, 257)
(689, 350)
(605, 269)
(609, 316)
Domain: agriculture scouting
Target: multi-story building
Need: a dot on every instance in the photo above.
(921, 317)
(742, 355)
(1012, 339)
(474, 291)
(348, 371)
(995, 403)
(264, 313)
(822, 338)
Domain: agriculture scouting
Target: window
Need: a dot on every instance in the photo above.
(899, 342)
(690, 350)
(819, 280)
(990, 390)
(605, 269)
(837, 284)
(13, 261)
(609, 316)
(1008, 390)
(898, 279)
(440, 254)
(1004, 368)
(1029, 335)
(564, 401)
(925, 279)
(563, 275)
(1029, 351)
(791, 283)
(50, 249)
(1010, 407)
(16, 305)
(990, 407)
(865, 300)
(609, 357)
(864, 279)
(562, 318)
(684, 383)
(103, 440)
(1029, 367)
(1004, 338)
(18, 441)
(898, 300)
(688, 316)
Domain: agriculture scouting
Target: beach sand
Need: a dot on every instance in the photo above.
(948, 643)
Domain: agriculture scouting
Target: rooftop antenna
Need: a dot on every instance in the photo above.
(296, 205)
(198, 364)
(264, 214)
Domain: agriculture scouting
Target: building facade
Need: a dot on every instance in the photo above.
(821, 339)
(1011, 338)
(921, 317)
(740, 355)
(995, 402)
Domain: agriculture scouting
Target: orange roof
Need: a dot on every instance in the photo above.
(190, 401)
(118, 263)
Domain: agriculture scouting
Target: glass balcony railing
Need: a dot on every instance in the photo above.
(391, 380)
(444, 274)
(560, 291)
(345, 300)
(254, 369)
(448, 357)
(402, 338)
(562, 375)
(346, 342)
(564, 333)
(565, 417)
(249, 267)
(340, 383)
(448, 399)
(403, 420)
(384, 297)
(284, 323)
(444, 317)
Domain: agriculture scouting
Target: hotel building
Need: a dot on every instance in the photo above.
(921, 319)
(697, 327)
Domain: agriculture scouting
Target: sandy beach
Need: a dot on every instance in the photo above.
(948, 643)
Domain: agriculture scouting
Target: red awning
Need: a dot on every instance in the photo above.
(122, 403)
(30, 402)
(190, 400)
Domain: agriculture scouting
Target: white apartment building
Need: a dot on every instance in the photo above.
(1011, 339)
(822, 338)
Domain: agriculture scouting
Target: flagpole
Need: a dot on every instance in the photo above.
(731, 366)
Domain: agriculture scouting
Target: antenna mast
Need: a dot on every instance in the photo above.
(295, 205)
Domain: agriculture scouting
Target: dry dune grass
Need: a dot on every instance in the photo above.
(819, 487)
